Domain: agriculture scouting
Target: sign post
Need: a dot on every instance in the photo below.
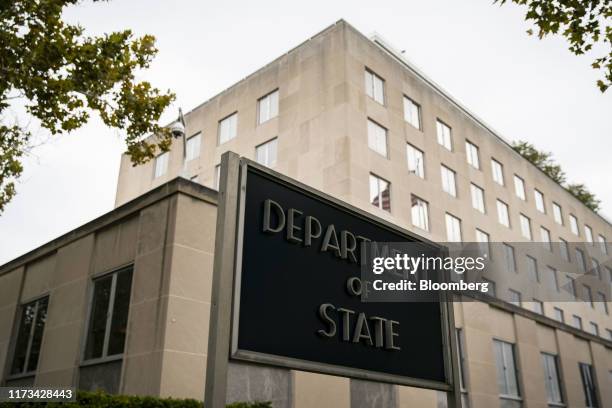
(287, 291)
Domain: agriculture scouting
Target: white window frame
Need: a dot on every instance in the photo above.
(552, 379)
(503, 213)
(525, 226)
(268, 152)
(497, 172)
(545, 237)
(227, 128)
(416, 160)
(507, 371)
(160, 167)
(574, 225)
(478, 199)
(539, 201)
(412, 112)
(192, 147)
(519, 187)
(557, 213)
(453, 228)
(379, 180)
(449, 183)
(588, 234)
(444, 135)
(377, 138)
(267, 107)
(375, 86)
(472, 154)
(419, 212)
(603, 245)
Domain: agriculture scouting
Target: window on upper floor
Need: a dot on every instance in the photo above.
(564, 249)
(267, 107)
(580, 260)
(497, 171)
(228, 128)
(453, 228)
(514, 297)
(443, 132)
(588, 234)
(553, 280)
(377, 138)
(571, 284)
(588, 295)
(557, 213)
(265, 153)
(503, 216)
(375, 86)
(483, 239)
(217, 177)
(539, 201)
(595, 268)
(161, 164)
(448, 180)
(525, 226)
(559, 315)
(603, 246)
(108, 317)
(380, 193)
(478, 201)
(574, 225)
(538, 306)
(601, 297)
(588, 385)
(577, 322)
(552, 379)
(507, 376)
(192, 148)
(420, 213)
(519, 187)
(29, 336)
(509, 258)
(412, 112)
(416, 161)
(594, 328)
(471, 152)
(545, 238)
(532, 269)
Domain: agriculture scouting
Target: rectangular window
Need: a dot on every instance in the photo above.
(519, 187)
(416, 161)
(483, 239)
(29, 336)
(580, 260)
(267, 107)
(471, 151)
(557, 214)
(539, 200)
(588, 295)
(574, 225)
(217, 177)
(594, 328)
(588, 385)
(532, 269)
(538, 306)
(525, 226)
(109, 315)
(514, 297)
(603, 302)
(375, 87)
(377, 138)
(380, 193)
(478, 202)
(545, 238)
(444, 135)
(228, 128)
(420, 213)
(507, 378)
(559, 315)
(412, 112)
(571, 286)
(551, 376)
(588, 234)
(192, 148)
(564, 249)
(265, 153)
(453, 228)
(502, 213)
(603, 246)
(577, 322)
(596, 269)
(553, 281)
(161, 164)
(448, 180)
(509, 258)
(497, 170)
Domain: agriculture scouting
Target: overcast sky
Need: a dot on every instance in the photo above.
(479, 52)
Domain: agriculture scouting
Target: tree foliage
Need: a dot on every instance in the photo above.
(62, 76)
(545, 162)
(583, 23)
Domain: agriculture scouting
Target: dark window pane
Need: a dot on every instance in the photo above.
(116, 341)
(97, 321)
(41, 318)
(23, 338)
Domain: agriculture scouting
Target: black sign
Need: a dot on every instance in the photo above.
(299, 290)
